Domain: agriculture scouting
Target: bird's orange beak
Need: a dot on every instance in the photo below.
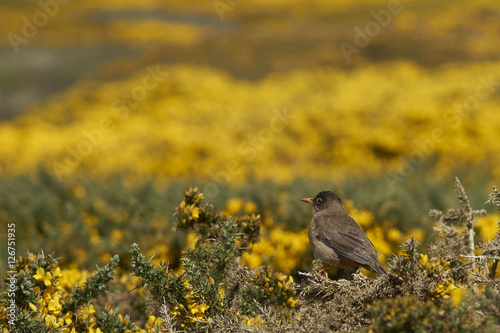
(307, 200)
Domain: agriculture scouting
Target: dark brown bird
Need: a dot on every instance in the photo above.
(336, 239)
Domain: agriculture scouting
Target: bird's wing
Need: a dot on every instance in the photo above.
(346, 239)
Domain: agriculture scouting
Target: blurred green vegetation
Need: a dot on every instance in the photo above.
(84, 220)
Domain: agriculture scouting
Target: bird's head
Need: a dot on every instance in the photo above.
(323, 200)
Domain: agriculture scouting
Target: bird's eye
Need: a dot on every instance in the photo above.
(319, 201)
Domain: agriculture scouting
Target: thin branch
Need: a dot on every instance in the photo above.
(483, 257)
(493, 271)
(469, 224)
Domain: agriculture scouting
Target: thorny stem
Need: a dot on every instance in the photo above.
(493, 271)
(469, 224)
(494, 198)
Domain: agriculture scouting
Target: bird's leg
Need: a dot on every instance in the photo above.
(324, 270)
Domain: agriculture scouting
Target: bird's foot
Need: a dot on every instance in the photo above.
(324, 271)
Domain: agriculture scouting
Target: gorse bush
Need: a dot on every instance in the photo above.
(213, 284)
(453, 287)
(298, 143)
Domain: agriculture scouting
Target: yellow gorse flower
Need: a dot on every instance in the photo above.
(252, 321)
(291, 302)
(195, 213)
(42, 276)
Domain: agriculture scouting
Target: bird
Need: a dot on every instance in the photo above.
(336, 239)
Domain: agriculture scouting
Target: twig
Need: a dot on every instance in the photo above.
(483, 257)
(469, 225)
(493, 271)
